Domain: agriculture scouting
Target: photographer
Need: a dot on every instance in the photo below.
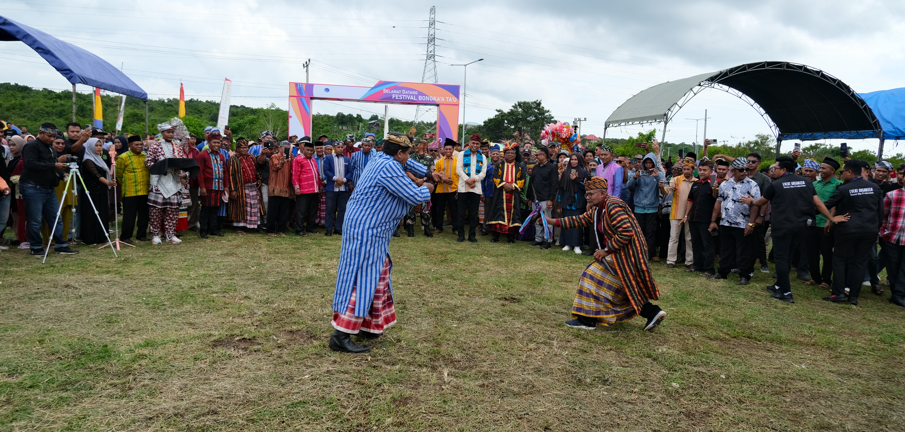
(264, 151)
(40, 175)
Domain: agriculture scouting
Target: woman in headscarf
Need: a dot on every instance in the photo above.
(120, 146)
(96, 175)
(17, 206)
(572, 201)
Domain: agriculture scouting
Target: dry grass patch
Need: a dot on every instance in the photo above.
(230, 333)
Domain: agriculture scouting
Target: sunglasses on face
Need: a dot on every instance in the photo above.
(751, 161)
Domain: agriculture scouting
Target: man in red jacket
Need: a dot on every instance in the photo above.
(211, 180)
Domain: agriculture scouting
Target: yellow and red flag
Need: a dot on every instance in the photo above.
(98, 111)
(181, 101)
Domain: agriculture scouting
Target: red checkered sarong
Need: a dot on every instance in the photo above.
(252, 207)
(381, 315)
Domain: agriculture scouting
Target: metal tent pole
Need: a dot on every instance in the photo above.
(880, 150)
(146, 120)
(73, 102)
(778, 144)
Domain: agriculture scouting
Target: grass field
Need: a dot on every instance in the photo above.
(230, 334)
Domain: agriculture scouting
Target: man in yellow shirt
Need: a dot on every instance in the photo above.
(681, 185)
(133, 175)
(447, 181)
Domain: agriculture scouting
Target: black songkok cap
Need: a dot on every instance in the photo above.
(831, 162)
(133, 138)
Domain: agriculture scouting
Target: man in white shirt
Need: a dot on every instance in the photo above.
(471, 167)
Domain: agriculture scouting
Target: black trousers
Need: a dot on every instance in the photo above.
(468, 201)
(702, 246)
(135, 207)
(278, 211)
(336, 205)
(894, 257)
(859, 245)
(663, 235)
(785, 242)
(760, 244)
(648, 223)
(439, 208)
(306, 210)
(208, 218)
(820, 245)
(736, 252)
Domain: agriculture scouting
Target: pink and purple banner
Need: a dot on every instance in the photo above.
(444, 96)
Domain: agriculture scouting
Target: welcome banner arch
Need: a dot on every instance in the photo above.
(444, 96)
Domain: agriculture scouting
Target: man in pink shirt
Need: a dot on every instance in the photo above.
(609, 170)
(306, 181)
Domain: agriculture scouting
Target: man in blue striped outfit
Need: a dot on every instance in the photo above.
(363, 300)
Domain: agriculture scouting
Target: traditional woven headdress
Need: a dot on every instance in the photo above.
(595, 183)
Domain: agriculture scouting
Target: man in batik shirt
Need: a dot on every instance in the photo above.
(423, 158)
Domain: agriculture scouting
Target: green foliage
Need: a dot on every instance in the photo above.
(530, 116)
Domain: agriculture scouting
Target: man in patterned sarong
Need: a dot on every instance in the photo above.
(508, 180)
(618, 285)
(363, 303)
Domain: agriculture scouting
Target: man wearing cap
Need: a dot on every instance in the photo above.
(609, 170)
(207, 134)
(306, 180)
(494, 152)
(338, 174)
(165, 193)
(280, 191)
(40, 175)
(363, 302)
(619, 284)
(509, 176)
(424, 158)
(735, 221)
(266, 150)
(133, 175)
(821, 239)
(242, 185)
(211, 182)
(679, 187)
(471, 168)
(542, 190)
(349, 146)
(360, 160)
(793, 200)
(446, 178)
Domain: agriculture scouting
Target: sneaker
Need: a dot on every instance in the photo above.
(865, 283)
(577, 250)
(155, 240)
(4, 248)
(772, 289)
(545, 246)
(25, 245)
(174, 240)
(742, 281)
(566, 248)
(836, 298)
(787, 297)
(574, 323)
(65, 250)
(735, 270)
(37, 252)
(655, 321)
(764, 269)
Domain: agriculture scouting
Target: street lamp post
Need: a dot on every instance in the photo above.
(464, 89)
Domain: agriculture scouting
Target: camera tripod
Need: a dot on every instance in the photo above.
(73, 173)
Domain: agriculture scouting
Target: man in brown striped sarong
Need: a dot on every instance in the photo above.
(618, 285)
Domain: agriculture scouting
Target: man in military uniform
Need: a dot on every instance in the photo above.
(424, 158)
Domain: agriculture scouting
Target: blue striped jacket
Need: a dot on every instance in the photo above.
(359, 162)
(379, 202)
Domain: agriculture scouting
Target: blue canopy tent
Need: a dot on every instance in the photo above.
(77, 65)
(889, 108)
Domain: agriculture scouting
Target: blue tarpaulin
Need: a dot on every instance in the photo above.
(76, 64)
(889, 107)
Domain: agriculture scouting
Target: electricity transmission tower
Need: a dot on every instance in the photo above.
(428, 113)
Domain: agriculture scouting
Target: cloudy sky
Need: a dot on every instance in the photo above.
(582, 58)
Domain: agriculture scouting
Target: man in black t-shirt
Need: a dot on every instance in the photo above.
(863, 202)
(697, 215)
(793, 200)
